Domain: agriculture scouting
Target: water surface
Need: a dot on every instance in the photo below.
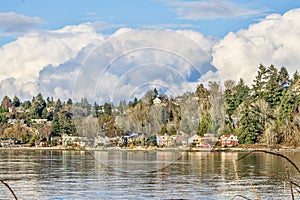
(52, 174)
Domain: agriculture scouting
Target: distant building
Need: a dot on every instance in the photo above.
(75, 141)
(12, 109)
(285, 85)
(39, 121)
(102, 141)
(193, 140)
(165, 140)
(156, 101)
(7, 142)
(227, 140)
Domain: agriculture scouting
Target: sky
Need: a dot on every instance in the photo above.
(113, 50)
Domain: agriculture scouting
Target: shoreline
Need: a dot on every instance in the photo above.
(166, 149)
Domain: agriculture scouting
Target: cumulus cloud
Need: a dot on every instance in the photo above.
(15, 24)
(133, 61)
(274, 40)
(210, 9)
(77, 61)
(23, 59)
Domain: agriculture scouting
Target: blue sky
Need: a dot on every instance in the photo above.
(211, 17)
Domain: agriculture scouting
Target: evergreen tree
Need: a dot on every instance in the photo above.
(230, 103)
(204, 124)
(273, 88)
(16, 101)
(135, 102)
(108, 108)
(241, 92)
(260, 82)
(26, 104)
(296, 77)
(50, 102)
(58, 106)
(97, 110)
(288, 115)
(66, 125)
(55, 128)
(235, 97)
(155, 93)
(44, 113)
(38, 105)
(249, 129)
(69, 102)
(283, 74)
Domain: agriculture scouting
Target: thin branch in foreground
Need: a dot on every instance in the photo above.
(237, 178)
(240, 196)
(272, 153)
(289, 178)
(281, 178)
(15, 196)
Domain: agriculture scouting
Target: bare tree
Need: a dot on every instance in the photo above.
(217, 111)
(229, 84)
(87, 126)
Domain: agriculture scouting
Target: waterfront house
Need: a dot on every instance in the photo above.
(102, 141)
(193, 140)
(7, 142)
(162, 140)
(75, 141)
(209, 138)
(228, 140)
(133, 138)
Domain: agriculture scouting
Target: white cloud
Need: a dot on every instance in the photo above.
(23, 59)
(14, 24)
(78, 61)
(131, 61)
(274, 40)
(210, 9)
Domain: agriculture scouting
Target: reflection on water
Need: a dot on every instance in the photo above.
(45, 174)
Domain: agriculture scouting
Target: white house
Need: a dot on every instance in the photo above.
(39, 121)
(102, 141)
(194, 139)
(163, 140)
(156, 101)
(75, 141)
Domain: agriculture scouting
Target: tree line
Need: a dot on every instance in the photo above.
(266, 112)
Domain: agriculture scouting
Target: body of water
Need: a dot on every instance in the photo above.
(60, 175)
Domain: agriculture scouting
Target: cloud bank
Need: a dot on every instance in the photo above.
(23, 61)
(132, 61)
(274, 40)
(78, 61)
